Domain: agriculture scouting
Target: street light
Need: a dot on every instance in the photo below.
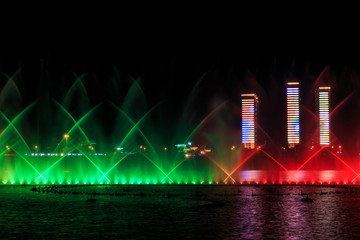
(66, 136)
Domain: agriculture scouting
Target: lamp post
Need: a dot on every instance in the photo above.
(66, 136)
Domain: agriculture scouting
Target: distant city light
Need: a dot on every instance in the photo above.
(248, 120)
(293, 123)
(324, 116)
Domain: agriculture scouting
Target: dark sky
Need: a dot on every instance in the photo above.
(170, 48)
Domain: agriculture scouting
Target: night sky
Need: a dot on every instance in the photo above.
(173, 57)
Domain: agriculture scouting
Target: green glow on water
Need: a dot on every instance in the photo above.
(166, 175)
(84, 154)
(113, 166)
(71, 161)
(173, 169)
(31, 166)
(41, 175)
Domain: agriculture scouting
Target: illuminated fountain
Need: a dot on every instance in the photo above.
(68, 141)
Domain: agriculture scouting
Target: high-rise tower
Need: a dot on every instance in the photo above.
(293, 122)
(323, 110)
(249, 104)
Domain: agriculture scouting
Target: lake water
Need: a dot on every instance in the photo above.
(180, 212)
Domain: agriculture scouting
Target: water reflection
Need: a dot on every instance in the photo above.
(186, 212)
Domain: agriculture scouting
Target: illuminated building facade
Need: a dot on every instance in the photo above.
(249, 107)
(293, 122)
(324, 120)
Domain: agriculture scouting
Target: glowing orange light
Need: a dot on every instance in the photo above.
(165, 148)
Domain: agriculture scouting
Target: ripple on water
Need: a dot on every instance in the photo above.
(186, 212)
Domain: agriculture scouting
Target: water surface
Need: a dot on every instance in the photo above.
(181, 212)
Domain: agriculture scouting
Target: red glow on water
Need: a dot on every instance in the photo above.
(311, 157)
(244, 161)
(347, 165)
(273, 159)
(220, 167)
